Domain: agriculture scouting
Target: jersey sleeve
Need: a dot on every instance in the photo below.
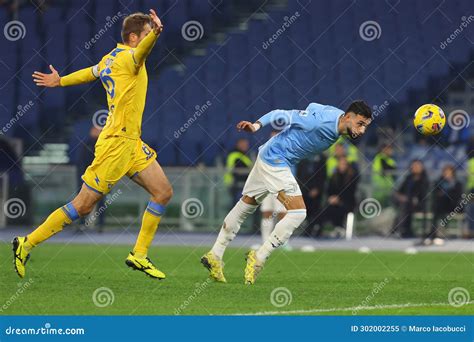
(280, 119)
(85, 75)
(143, 49)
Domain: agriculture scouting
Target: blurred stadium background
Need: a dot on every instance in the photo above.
(221, 61)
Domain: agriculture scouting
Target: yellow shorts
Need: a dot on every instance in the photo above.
(114, 158)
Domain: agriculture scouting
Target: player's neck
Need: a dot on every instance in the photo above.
(341, 125)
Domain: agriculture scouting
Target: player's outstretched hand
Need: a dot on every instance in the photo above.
(47, 80)
(246, 126)
(157, 25)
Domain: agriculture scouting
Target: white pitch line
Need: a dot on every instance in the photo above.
(354, 308)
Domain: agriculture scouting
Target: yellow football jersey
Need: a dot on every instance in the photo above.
(125, 80)
(124, 77)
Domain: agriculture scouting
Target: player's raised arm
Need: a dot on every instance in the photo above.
(143, 49)
(279, 119)
(53, 79)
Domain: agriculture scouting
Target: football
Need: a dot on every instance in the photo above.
(429, 119)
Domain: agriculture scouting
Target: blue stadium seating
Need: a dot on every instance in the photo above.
(320, 57)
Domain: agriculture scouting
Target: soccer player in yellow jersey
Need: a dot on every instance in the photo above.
(119, 151)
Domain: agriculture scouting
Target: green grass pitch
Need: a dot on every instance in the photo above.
(62, 280)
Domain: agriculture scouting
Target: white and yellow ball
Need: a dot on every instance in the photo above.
(429, 119)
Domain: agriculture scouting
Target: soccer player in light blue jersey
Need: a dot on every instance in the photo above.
(304, 134)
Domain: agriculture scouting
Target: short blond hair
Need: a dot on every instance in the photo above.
(134, 23)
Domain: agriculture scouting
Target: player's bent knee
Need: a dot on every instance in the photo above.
(249, 200)
(164, 196)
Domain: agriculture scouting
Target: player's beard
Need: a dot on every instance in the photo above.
(350, 134)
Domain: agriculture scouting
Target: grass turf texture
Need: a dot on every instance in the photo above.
(64, 278)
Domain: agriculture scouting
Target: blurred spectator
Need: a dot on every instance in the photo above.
(16, 187)
(446, 196)
(342, 148)
(470, 188)
(383, 167)
(238, 166)
(10, 165)
(410, 198)
(311, 175)
(341, 194)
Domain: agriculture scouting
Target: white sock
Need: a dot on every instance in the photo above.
(231, 226)
(266, 227)
(281, 233)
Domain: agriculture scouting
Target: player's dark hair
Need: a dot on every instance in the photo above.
(361, 108)
(134, 23)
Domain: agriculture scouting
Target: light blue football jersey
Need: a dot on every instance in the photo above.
(305, 133)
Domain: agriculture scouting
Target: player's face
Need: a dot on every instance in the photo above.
(357, 125)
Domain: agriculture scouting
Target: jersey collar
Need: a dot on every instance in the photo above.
(123, 46)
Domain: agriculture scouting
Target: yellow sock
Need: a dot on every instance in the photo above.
(150, 222)
(53, 224)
